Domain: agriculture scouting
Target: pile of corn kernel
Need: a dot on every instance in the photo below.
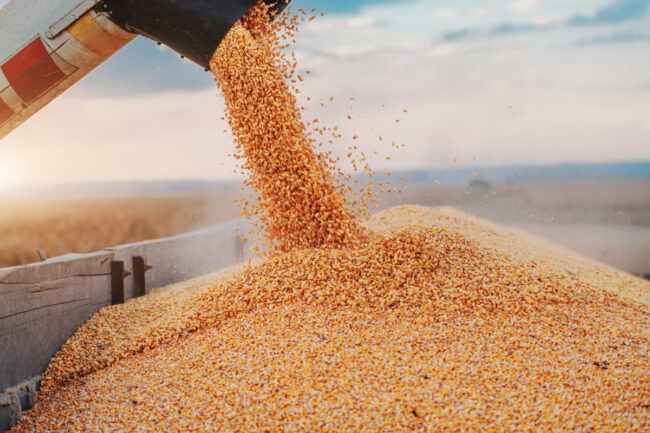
(441, 322)
(418, 319)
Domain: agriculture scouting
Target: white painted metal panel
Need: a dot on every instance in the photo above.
(22, 20)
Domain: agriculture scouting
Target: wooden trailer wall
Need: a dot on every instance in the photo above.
(41, 305)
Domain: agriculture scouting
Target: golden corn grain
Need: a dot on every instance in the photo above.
(418, 320)
(442, 322)
(300, 203)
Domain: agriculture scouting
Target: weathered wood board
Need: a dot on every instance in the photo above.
(42, 305)
(179, 258)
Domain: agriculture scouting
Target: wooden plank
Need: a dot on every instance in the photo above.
(41, 306)
(182, 257)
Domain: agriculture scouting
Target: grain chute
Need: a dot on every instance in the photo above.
(47, 46)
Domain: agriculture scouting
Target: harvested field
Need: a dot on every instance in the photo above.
(81, 226)
(606, 220)
(443, 321)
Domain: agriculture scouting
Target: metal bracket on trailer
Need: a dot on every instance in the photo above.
(13, 398)
(140, 268)
(118, 274)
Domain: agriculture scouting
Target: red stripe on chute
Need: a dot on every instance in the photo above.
(31, 72)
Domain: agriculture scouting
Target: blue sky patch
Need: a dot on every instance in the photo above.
(620, 11)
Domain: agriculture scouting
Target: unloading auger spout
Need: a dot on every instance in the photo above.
(47, 46)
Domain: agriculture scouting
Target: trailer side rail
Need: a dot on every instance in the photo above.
(43, 304)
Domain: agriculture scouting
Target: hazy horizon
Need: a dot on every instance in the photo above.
(456, 176)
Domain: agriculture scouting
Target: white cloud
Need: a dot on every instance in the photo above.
(352, 50)
(444, 49)
(543, 20)
(480, 12)
(525, 6)
(341, 51)
(330, 24)
(446, 14)
(361, 22)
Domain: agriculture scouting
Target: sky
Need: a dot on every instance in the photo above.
(488, 83)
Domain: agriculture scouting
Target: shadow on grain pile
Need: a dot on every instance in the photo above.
(441, 321)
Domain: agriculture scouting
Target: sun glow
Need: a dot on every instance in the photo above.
(7, 175)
